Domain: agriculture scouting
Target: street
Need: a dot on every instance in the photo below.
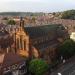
(67, 68)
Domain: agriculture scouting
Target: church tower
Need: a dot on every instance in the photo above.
(21, 22)
(22, 39)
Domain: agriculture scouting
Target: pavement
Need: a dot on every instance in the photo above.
(68, 68)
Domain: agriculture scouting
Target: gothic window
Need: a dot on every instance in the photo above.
(47, 38)
(24, 45)
(35, 42)
(52, 54)
(17, 43)
(44, 39)
(41, 40)
(21, 42)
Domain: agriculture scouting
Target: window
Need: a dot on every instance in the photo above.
(21, 46)
(17, 44)
(24, 45)
(35, 42)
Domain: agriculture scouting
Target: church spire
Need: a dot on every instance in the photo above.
(21, 22)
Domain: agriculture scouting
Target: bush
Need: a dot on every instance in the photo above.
(38, 67)
(11, 22)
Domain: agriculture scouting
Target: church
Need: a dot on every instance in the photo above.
(39, 41)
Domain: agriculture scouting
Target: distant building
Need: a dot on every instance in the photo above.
(12, 64)
(72, 36)
(6, 41)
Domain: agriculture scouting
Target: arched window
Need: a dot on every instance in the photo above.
(24, 45)
(21, 46)
(17, 43)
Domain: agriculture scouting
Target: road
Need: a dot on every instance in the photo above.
(67, 68)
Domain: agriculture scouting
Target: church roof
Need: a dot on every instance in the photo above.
(44, 30)
(50, 34)
(49, 44)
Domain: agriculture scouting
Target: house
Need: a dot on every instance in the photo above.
(12, 64)
(6, 41)
(72, 36)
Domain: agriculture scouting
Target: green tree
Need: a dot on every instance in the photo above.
(70, 14)
(67, 49)
(38, 67)
(11, 22)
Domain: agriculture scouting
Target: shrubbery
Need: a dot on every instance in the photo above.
(38, 67)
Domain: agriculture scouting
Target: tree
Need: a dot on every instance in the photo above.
(67, 49)
(5, 18)
(33, 20)
(38, 67)
(70, 14)
(11, 22)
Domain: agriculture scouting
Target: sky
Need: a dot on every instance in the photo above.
(36, 5)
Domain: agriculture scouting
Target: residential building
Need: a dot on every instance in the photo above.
(10, 62)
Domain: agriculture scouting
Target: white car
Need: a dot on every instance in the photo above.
(59, 73)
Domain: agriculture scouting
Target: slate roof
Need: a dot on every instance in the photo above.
(51, 32)
(38, 31)
(44, 46)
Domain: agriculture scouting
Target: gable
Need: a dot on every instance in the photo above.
(21, 32)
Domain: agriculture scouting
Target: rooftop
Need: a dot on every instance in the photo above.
(37, 31)
(9, 59)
